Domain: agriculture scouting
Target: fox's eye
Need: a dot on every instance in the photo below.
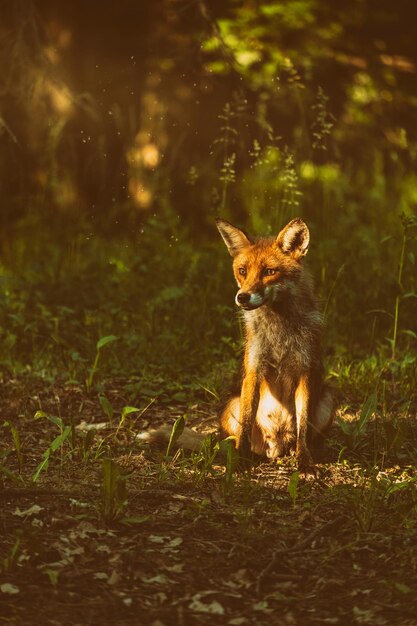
(242, 271)
(269, 271)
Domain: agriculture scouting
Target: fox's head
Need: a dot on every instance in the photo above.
(265, 268)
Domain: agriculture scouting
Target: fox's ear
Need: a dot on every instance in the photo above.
(234, 238)
(294, 238)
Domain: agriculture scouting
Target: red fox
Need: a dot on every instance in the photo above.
(283, 402)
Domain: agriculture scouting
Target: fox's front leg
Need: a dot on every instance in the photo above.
(249, 400)
(303, 397)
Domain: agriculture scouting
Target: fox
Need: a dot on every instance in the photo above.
(284, 404)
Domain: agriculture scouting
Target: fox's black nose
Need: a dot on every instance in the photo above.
(243, 298)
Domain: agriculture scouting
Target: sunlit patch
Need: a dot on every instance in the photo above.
(141, 195)
(150, 155)
(52, 55)
(134, 155)
(144, 152)
(61, 98)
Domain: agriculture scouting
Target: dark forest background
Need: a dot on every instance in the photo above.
(127, 127)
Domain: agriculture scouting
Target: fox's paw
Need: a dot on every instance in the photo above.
(245, 455)
(305, 461)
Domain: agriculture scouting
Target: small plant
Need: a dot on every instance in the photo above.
(9, 562)
(85, 444)
(408, 223)
(353, 432)
(366, 500)
(378, 498)
(324, 121)
(127, 410)
(227, 176)
(206, 457)
(397, 433)
(57, 443)
(227, 447)
(17, 443)
(5, 471)
(228, 137)
(290, 188)
(104, 341)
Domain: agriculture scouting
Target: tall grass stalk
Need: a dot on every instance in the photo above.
(399, 294)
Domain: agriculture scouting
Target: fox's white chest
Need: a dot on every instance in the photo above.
(276, 343)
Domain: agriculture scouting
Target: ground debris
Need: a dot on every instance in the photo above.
(174, 542)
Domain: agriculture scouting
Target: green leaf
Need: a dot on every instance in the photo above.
(271, 9)
(106, 406)
(58, 441)
(410, 333)
(293, 486)
(52, 574)
(213, 43)
(105, 340)
(127, 410)
(247, 57)
(43, 465)
(176, 432)
(403, 588)
(368, 409)
(17, 445)
(131, 521)
(387, 238)
(52, 418)
(227, 448)
(345, 427)
(405, 484)
(5, 471)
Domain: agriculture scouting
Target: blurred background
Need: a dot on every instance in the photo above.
(126, 127)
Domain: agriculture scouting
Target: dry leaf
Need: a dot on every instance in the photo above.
(9, 588)
(33, 510)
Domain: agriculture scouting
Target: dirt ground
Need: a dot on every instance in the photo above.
(188, 547)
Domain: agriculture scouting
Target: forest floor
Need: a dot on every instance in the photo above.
(158, 540)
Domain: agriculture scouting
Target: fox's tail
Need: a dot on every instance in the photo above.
(188, 440)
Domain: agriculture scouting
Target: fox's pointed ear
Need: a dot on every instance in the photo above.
(234, 238)
(294, 238)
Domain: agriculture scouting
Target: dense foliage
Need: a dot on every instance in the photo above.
(116, 159)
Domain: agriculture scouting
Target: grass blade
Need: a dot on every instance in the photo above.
(176, 432)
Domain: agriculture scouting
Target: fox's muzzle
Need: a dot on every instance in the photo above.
(249, 301)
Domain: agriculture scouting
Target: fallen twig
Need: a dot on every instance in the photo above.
(297, 547)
